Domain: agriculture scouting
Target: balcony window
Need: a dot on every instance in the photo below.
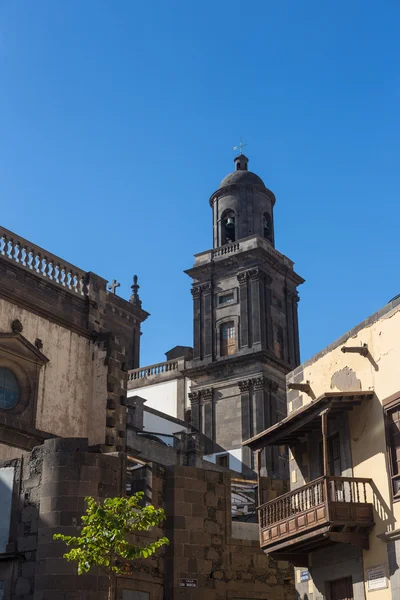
(228, 339)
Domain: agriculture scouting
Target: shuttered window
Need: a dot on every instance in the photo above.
(393, 430)
(228, 339)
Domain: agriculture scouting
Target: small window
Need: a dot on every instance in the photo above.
(227, 339)
(393, 430)
(222, 460)
(9, 389)
(226, 298)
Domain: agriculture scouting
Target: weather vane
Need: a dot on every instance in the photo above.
(240, 146)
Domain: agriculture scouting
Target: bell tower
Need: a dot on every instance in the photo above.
(245, 323)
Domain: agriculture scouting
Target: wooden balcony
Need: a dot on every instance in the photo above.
(325, 511)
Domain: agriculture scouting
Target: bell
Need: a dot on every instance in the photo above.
(230, 222)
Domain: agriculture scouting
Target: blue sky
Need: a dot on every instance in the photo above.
(117, 122)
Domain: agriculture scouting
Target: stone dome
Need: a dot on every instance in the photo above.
(241, 177)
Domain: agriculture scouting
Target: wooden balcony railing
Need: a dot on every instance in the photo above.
(332, 503)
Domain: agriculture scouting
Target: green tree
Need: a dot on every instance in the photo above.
(106, 536)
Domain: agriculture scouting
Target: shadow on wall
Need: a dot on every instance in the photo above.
(369, 442)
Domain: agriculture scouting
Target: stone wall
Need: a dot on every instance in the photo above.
(49, 490)
(199, 526)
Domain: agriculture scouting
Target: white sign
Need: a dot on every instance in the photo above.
(376, 578)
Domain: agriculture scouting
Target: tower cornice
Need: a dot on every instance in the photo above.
(240, 255)
(236, 187)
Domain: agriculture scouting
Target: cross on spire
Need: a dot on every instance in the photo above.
(113, 286)
(240, 146)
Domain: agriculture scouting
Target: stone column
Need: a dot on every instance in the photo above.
(254, 276)
(207, 320)
(259, 401)
(247, 419)
(268, 316)
(289, 354)
(195, 414)
(295, 301)
(244, 310)
(261, 417)
(247, 429)
(196, 291)
(208, 418)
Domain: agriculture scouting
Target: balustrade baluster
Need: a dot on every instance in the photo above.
(365, 491)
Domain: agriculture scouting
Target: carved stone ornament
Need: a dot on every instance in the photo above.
(38, 343)
(242, 278)
(254, 274)
(207, 394)
(244, 386)
(194, 397)
(16, 326)
(195, 291)
(260, 383)
(206, 288)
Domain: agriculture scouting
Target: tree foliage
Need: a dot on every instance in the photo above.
(106, 538)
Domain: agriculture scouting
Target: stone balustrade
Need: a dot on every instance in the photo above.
(41, 262)
(226, 249)
(158, 369)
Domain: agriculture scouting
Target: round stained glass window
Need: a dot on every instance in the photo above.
(9, 389)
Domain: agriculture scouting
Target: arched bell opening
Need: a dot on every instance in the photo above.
(267, 227)
(228, 227)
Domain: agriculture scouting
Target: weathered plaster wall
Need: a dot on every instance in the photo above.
(333, 370)
(9, 452)
(69, 394)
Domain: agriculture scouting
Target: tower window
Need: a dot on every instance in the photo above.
(228, 233)
(226, 298)
(227, 339)
(238, 166)
(267, 226)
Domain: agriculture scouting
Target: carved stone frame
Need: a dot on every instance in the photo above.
(25, 361)
(219, 322)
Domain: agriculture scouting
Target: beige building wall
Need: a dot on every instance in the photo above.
(379, 371)
(72, 386)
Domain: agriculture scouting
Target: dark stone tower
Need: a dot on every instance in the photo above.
(245, 321)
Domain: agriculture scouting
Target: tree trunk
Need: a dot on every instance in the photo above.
(112, 591)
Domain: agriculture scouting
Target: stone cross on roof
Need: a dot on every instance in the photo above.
(113, 286)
